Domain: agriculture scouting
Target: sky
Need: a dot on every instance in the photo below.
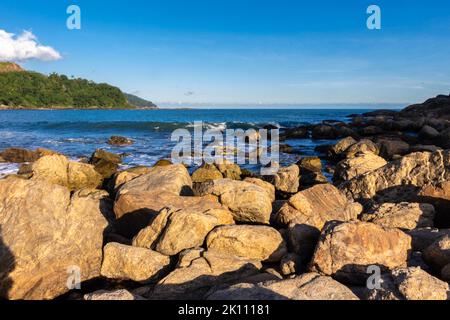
(213, 52)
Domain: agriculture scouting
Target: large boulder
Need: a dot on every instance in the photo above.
(247, 201)
(362, 146)
(124, 262)
(309, 286)
(323, 131)
(46, 236)
(174, 179)
(270, 188)
(173, 231)
(317, 205)
(392, 147)
(402, 215)
(135, 210)
(202, 273)
(349, 168)
(229, 170)
(57, 169)
(416, 169)
(206, 173)
(251, 242)
(122, 177)
(346, 249)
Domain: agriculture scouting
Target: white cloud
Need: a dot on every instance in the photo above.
(24, 47)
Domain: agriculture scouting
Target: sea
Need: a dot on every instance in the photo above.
(78, 133)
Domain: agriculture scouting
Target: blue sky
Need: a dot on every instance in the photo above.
(247, 52)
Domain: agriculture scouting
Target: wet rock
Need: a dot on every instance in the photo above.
(346, 249)
(251, 242)
(120, 141)
(132, 263)
(324, 132)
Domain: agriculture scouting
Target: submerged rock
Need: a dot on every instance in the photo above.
(120, 141)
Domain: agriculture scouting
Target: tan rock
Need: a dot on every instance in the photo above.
(124, 262)
(174, 179)
(362, 146)
(317, 205)
(172, 231)
(136, 209)
(46, 235)
(195, 280)
(57, 169)
(115, 295)
(123, 177)
(270, 188)
(346, 249)
(206, 173)
(341, 146)
(247, 201)
(251, 242)
(416, 169)
(309, 286)
(286, 179)
(349, 168)
(402, 215)
(186, 257)
(229, 170)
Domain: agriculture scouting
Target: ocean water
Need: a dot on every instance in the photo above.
(77, 133)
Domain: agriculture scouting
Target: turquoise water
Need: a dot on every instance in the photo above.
(78, 133)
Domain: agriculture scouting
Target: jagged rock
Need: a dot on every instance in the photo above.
(312, 164)
(57, 169)
(402, 215)
(409, 284)
(339, 148)
(172, 231)
(120, 141)
(115, 295)
(247, 201)
(346, 249)
(187, 256)
(132, 263)
(251, 242)
(46, 235)
(135, 210)
(270, 188)
(206, 173)
(349, 168)
(309, 286)
(211, 269)
(416, 169)
(317, 205)
(286, 179)
(437, 255)
(362, 146)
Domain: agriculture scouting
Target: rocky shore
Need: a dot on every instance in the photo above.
(380, 230)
